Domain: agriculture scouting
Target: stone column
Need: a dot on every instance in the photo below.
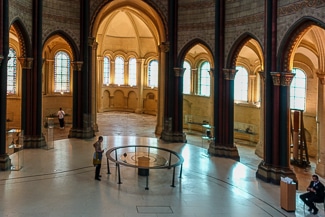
(5, 161)
(163, 49)
(140, 77)
(320, 167)
(76, 129)
(112, 74)
(260, 145)
(194, 82)
(173, 129)
(211, 121)
(276, 163)
(32, 128)
(95, 86)
(100, 83)
(251, 88)
(226, 147)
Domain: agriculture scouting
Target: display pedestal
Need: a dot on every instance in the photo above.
(50, 134)
(288, 196)
(17, 158)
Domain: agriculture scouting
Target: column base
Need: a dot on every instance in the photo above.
(81, 133)
(320, 169)
(274, 174)
(138, 111)
(223, 151)
(259, 151)
(173, 137)
(34, 142)
(5, 162)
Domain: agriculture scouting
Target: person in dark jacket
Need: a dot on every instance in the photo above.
(315, 194)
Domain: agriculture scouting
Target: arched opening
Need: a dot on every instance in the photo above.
(128, 61)
(57, 82)
(197, 89)
(248, 93)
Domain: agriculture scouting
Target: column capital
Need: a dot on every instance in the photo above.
(26, 63)
(212, 72)
(286, 78)
(179, 72)
(276, 78)
(262, 75)
(77, 65)
(229, 74)
(91, 41)
(164, 47)
(321, 78)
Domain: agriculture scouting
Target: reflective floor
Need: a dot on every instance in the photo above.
(59, 181)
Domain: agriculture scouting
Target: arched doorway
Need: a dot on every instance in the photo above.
(57, 80)
(128, 61)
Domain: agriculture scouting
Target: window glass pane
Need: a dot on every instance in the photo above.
(187, 78)
(204, 79)
(11, 76)
(153, 74)
(132, 72)
(241, 84)
(298, 90)
(107, 70)
(119, 70)
(62, 72)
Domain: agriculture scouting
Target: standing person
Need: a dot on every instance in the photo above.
(61, 118)
(315, 194)
(98, 154)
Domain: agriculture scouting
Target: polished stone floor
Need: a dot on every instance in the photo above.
(59, 181)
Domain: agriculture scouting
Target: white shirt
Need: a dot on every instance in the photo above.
(61, 114)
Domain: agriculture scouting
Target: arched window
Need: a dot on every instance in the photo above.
(132, 72)
(119, 70)
(62, 72)
(298, 90)
(106, 71)
(12, 72)
(187, 78)
(204, 79)
(241, 84)
(153, 73)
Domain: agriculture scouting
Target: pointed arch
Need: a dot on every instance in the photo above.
(237, 47)
(291, 40)
(189, 46)
(68, 39)
(23, 38)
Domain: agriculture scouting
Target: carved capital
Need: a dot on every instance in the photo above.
(262, 75)
(26, 63)
(164, 47)
(321, 78)
(77, 65)
(179, 72)
(286, 78)
(91, 41)
(276, 78)
(229, 74)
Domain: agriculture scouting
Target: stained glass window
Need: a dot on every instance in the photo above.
(62, 72)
